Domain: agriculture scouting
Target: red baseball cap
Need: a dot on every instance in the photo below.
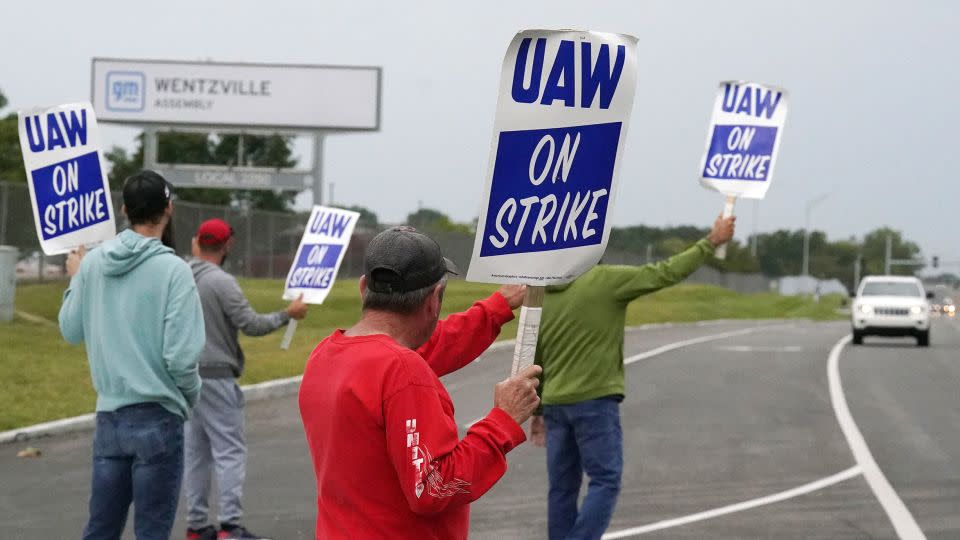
(214, 232)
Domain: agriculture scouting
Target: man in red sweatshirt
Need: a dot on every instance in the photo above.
(380, 425)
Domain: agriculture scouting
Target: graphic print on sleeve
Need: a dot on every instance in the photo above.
(422, 462)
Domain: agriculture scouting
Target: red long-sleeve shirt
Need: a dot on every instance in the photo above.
(383, 437)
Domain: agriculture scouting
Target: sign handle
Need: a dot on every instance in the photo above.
(721, 251)
(288, 335)
(529, 329)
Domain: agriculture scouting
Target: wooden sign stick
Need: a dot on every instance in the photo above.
(288, 335)
(528, 331)
(721, 251)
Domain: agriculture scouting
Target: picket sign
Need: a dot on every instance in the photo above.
(66, 176)
(314, 269)
(743, 141)
(562, 115)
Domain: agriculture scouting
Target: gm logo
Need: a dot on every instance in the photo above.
(126, 91)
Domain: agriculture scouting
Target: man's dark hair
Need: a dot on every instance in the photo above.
(403, 303)
(211, 248)
(145, 197)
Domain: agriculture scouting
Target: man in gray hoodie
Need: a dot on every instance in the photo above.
(214, 435)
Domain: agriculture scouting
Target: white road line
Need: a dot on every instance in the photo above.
(694, 341)
(752, 349)
(738, 507)
(904, 523)
(712, 322)
(36, 319)
(674, 346)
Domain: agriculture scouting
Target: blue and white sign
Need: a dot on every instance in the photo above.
(67, 177)
(743, 139)
(321, 251)
(126, 91)
(562, 116)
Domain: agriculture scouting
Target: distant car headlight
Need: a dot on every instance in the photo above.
(951, 309)
(916, 310)
(864, 308)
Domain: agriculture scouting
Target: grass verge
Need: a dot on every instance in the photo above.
(43, 378)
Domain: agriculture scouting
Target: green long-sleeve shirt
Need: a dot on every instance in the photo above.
(581, 331)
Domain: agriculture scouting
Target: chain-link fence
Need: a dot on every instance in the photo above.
(266, 242)
(17, 229)
(265, 245)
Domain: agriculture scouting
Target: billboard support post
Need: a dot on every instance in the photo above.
(240, 156)
(318, 168)
(150, 147)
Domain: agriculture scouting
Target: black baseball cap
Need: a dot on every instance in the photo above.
(146, 195)
(401, 259)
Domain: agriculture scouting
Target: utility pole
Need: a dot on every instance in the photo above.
(889, 262)
(649, 256)
(856, 272)
(806, 231)
(888, 255)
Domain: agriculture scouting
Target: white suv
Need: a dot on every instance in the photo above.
(891, 306)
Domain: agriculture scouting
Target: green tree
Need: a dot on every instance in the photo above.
(122, 166)
(780, 253)
(368, 218)
(836, 260)
(272, 151)
(668, 241)
(435, 220)
(11, 160)
(875, 247)
(198, 148)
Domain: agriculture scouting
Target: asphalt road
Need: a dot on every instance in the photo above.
(736, 418)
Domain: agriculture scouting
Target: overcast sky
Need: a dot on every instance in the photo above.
(874, 94)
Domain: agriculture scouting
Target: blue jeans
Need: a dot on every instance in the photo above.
(582, 438)
(137, 457)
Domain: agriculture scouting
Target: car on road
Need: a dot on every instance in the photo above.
(32, 267)
(948, 308)
(891, 306)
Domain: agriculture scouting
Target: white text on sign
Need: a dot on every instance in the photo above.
(550, 189)
(595, 78)
(70, 194)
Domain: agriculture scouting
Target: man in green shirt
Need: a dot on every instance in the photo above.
(581, 352)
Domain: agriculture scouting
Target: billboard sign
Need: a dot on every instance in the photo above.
(232, 94)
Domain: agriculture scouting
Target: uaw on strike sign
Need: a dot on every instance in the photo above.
(562, 113)
(66, 175)
(324, 243)
(743, 139)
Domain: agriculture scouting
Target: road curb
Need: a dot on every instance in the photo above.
(86, 422)
(271, 389)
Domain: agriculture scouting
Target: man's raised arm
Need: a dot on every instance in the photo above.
(462, 337)
(632, 282)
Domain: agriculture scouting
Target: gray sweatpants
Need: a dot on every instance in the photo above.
(214, 444)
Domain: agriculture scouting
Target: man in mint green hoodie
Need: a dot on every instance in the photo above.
(581, 351)
(134, 304)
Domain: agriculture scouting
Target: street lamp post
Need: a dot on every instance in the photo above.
(806, 231)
